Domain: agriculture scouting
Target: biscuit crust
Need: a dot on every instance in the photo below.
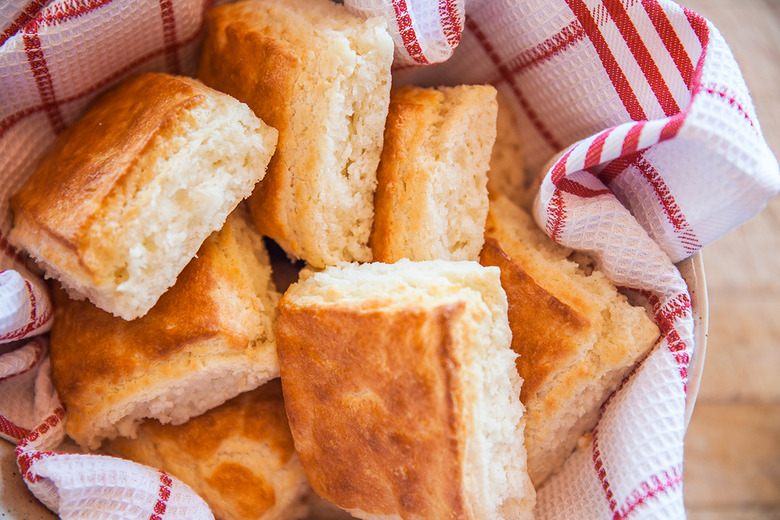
(397, 463)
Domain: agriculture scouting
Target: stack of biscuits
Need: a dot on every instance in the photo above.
(437, 357)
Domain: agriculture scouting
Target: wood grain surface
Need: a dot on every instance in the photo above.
(732, 448)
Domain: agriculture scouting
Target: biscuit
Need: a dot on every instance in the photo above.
(321, 76)
(209, 338)
(402, 392)
(238, 457)
(432, 200)
(577, 337)
(127, 195)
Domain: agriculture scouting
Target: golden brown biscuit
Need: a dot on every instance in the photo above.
(576, 336)
(321, 76)
(402, 393)
(209, 338)
(238, 457)
(127, 195)
(431, 199)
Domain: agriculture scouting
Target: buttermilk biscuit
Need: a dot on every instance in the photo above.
(127, 195)
(320, 76)
(238, 457)
(402, 393)
(209, 338)
(431, 199)
(576, 336)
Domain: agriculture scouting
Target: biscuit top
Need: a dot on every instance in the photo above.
(551, 316)
(379, 365)
(397, 462)
(403, 199)
(416, 96)
(91, 157)
(256, 415)
(202, 452)
(262, 70)
(558, 314)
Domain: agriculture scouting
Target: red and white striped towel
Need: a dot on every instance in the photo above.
(635, 112)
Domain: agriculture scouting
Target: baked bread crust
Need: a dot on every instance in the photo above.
(128, 193)
(576, 336)
(239, 457)
(548, 331)
(210, 337)
(406, 476)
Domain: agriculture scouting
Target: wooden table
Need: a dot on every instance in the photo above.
(732, 448)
